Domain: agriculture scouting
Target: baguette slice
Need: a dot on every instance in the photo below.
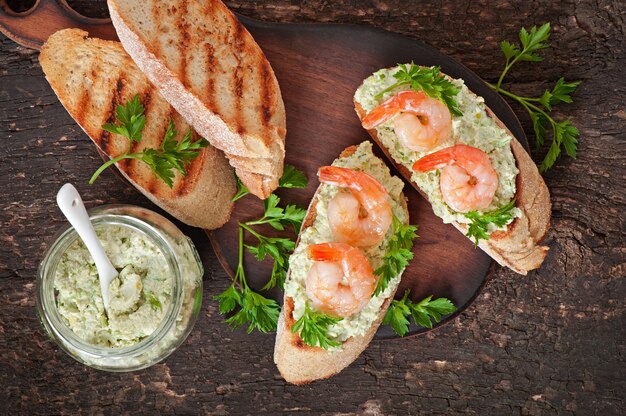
(91, 77)
(299, 363)
(519, 246)
(207, 65)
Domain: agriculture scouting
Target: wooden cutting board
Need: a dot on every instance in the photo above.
(319, 67)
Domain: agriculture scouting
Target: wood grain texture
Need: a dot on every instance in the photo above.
(549, 343)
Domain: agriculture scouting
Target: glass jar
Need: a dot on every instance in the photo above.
(183, 263)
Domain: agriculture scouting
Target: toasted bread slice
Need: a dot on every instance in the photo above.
(299, 363)
(91, 77)
(207, 65)
(519, 246)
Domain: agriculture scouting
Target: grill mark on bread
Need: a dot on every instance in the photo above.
(210, 86)
(103, 139)
(266, 96)
(239, 44)
(156, 13)
(183, 29)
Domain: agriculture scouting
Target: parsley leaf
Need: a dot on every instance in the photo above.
(397, 255)
(479, 226)
(171, 155)
(131, 118)
(430, 80)
(292, 178)
(277, 217)
(564, 134)
(229, 299)
(242, 190)
(313, 327)
(423, 312)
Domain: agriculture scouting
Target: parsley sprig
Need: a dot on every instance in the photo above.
(254, 309)
(430, 80)
(564, 134)
(423, 312)
(313, 327)
(397, 255)
(278, 248)
(171, 155)
(477, 229)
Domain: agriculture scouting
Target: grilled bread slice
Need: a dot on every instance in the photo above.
(207, 65)
(298, 362)
(91, 77)
(518, 247)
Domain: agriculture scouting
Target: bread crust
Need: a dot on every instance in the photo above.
(299, 363)
(208, 66)
(91, 77)
(517, 248)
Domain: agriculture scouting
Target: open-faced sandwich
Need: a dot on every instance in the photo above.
(209, 68)
(92, 78)
(353, 247)
(455, 151)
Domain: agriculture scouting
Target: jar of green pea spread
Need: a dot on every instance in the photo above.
(154, 301)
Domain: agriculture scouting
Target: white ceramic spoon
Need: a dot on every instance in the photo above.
(72, 207)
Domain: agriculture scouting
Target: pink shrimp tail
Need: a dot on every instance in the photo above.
(437, 160)
(348, 178)
(403, 101)
(459, 153)
(333, 252)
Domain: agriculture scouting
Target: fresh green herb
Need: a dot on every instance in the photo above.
(430, 80)
(154, 302)
(278, 248)
(292, 178)
(242, 190)
(423, 312)
(313, 327)
(564, 134)
(171, 155)
(477, 229)
(257, 311)
(397, 256)
(131, 118)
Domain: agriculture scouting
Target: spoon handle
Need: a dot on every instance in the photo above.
(72, 207)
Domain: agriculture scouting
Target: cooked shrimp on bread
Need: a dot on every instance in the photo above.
(360, 215)
(468, 181)
(341, 280)
(420, 122)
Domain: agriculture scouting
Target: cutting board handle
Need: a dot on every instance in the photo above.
(32, 27)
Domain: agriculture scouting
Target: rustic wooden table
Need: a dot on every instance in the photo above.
(548, 343)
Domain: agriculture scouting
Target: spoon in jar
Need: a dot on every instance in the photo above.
(72, 207)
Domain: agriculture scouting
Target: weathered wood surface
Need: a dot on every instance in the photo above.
(549, 343)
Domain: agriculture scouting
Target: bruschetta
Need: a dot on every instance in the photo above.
(461, 157)
(336, 292)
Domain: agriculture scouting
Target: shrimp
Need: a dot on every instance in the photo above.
(341, 280)
(420, 122)
(468, 181)
(360, 215)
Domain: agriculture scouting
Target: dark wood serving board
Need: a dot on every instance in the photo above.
(319, 67)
